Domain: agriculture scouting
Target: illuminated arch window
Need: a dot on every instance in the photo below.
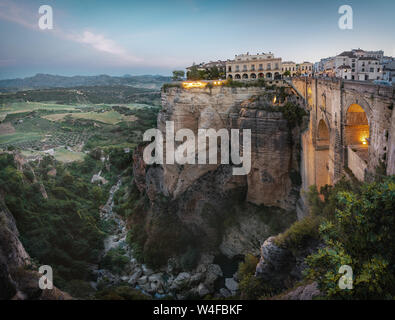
(357, 126)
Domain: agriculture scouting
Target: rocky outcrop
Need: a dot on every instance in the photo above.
(275, 264)
(302, 292)
(282, 268)
(17, 280)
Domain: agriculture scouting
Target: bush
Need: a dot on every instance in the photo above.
(79, 289)
(299, 234)
(360, 235)
(115, 260)
(253, 288)
(293, 113)
(248, 266)
(120, 293)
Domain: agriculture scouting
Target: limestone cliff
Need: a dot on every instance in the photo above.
(234, 214)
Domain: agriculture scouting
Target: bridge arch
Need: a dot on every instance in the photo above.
(322, 177)
(323, 135)
(357, 130)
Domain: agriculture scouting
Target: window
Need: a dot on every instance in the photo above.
(371, 70)
(237, 68)
(229, 69)
(253, 67)
(261, 66)
(276, 66)
(269, 66)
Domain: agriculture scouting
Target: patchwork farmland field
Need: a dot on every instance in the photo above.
(110, 117)
(39, 126)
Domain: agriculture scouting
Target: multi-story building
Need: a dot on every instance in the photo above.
(305, 68)
(356, 64)
(322, 65)
(389, 72)
(246, 66)
(289, 66)
(369, 69)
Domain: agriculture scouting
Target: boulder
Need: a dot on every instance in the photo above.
(202, 290)
(147, 271)
(231, 285)
(181, 281)
(142, 281)
(225, 293)
(275, 263)
(306, 292)
(213, 273)
(196, 278)
(156, 283)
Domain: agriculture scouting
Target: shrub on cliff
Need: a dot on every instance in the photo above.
(293, 113)
(248, 266)
(361, 235)
(251, 287)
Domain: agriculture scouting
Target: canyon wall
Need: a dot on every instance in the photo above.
(232, 213)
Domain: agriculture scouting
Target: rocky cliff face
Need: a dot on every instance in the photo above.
(232, 214)
(273, 155)
(17, 281)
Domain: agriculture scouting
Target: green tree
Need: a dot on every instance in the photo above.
(178, 75)
(214, 73)
(193, 74)
(361, 235)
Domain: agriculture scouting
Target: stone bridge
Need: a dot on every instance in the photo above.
(351, 130)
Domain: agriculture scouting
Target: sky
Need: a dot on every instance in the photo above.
(155, 37)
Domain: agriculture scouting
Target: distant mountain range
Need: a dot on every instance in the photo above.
(45, 81)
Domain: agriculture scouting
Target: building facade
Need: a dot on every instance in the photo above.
(246, 67)
(356, 64)
(389, 72)
(305, 68)
(289, 66)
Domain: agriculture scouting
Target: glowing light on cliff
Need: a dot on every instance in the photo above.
(364, 140)
(274, 99)
(194, 84)
(219, 82)
(201, 84)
